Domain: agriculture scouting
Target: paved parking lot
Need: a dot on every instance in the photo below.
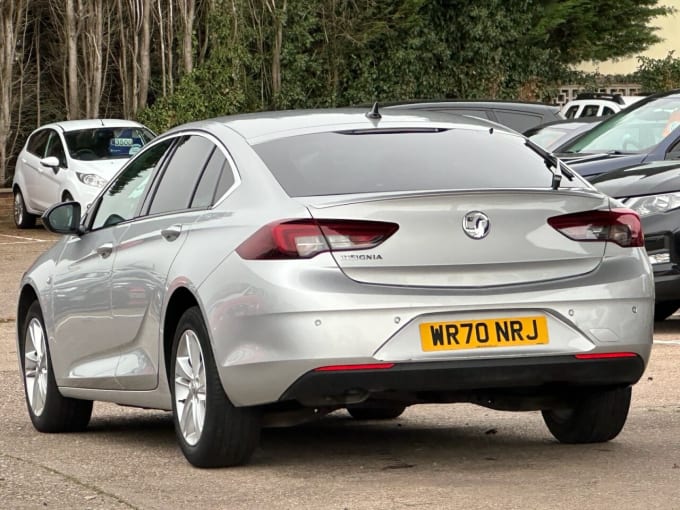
(435, 456)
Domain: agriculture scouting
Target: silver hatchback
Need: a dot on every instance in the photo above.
(268, 269)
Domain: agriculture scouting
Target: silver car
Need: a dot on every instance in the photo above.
(268, 269)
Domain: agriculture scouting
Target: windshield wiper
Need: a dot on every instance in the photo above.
(552, 161)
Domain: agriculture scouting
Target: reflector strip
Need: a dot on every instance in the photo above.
(605, 355)
(365, 366)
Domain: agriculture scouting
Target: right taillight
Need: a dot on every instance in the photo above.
(620, 226)
(294, 239)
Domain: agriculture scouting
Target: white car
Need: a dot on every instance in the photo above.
(71, 161)
(597, 105)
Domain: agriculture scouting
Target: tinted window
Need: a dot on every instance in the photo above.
(337, 163)
(181, 174)
(607, 111)
(517, 120)
(123, 197)
(38, 142)
(215, 181)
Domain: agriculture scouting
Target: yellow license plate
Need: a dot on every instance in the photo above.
(505, 332)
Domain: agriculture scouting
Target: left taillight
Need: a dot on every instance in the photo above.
(620, 226)
(294, 239)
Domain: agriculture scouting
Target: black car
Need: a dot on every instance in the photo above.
(647, 131)
(516, 115)
(653, 190)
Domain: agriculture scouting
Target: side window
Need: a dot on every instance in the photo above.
(55, 148)
(590, 110)
(38, 143)
(571, 112)
(517, 120)
(215, 181)
(607, 111)
(674, 151)
(123, 197)
(179, 179)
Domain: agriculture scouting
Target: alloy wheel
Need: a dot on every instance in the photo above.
(36, 366)
(190, 387)
(18, 208)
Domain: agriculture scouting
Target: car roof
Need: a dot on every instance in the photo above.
(75, 125)
(522, 105)
(258, 127)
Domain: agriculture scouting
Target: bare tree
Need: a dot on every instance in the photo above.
(92, 46)
(12, 24)
(71, 36)
(277, 10)
(187, 11)
(134, 57)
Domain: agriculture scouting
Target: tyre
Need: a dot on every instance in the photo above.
(67, 197)
(597, 418)
(211, 431)
(664, 309)
(48, 409)
(22, 218)
(387, 412)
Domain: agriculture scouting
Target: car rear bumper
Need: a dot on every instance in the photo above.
(437, 381)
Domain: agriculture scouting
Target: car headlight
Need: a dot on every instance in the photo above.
(654, 204)
(91, 179)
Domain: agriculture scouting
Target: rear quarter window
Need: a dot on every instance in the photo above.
(368, 162)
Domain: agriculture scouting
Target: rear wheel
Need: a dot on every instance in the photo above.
(664, 309)
(22, 218)
(597, 418)
(48, 409)
(211, 431)
(386, 412)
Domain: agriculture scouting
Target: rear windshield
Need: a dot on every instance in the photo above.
(366, 162)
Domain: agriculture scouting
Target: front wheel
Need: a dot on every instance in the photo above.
(22, 218)
(211, 431)
(48, 409)
(596, 418)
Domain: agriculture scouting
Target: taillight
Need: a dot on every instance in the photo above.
(295, 239)
(621, 226)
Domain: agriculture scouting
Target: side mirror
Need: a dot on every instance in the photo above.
(63, 218)
(51, 162)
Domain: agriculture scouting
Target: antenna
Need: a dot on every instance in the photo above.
(374, 113)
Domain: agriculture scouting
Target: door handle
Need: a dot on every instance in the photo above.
(172, 232)
(104, 250)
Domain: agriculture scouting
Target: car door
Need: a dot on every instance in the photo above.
(146, 252)
(46, 191)
(31, 169)
(84, 327)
